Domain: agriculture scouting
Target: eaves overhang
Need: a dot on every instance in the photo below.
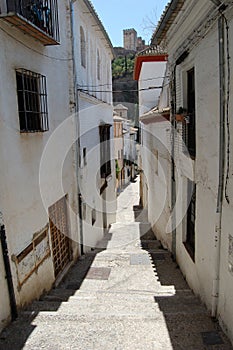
(167, 19)
(155, 116)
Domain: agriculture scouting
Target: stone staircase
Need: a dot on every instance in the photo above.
(125, 294)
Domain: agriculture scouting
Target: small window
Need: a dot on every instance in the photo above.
(84, 156)
(32, 101)
(98, 64)
(83, 47)
(93, 216)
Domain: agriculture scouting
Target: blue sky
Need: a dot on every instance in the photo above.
(117, 15)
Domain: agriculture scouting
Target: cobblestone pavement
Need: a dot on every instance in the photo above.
(127, 294)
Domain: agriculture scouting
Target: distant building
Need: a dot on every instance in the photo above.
(130, 39)
(129, 137)
(141, 44)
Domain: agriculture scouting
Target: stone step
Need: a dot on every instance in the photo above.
(121, 303)
(59, 294)
(151, 245)
(147, 308)
(44, 305)
(122, 331)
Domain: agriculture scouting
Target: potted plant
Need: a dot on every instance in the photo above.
(180, 115)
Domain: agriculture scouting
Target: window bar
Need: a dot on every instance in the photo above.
(45, 105)
(24, 99)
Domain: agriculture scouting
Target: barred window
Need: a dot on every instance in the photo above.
(105, 153)
(32, 101)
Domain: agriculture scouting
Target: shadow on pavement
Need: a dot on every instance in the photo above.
(14, 337)
(188, 322)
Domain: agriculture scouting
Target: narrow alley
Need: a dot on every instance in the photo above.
(126, 294)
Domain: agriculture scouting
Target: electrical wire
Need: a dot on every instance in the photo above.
(124, 82)
(119, 91)
(227, 111)
(30, 48)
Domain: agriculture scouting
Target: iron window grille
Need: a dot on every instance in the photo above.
(32, 101)
(42, 13)
(189, 127)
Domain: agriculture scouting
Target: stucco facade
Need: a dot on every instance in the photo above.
(94, 85)
(155, 150)
(25, 212)
(54, 203)
(196, 49)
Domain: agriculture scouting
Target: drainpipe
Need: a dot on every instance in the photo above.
(218, 227)
(173, 177)
(10, 285)
(76, 98)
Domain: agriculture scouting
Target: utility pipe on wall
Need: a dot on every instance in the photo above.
(218, 227)
(77, 143)
(173, 176)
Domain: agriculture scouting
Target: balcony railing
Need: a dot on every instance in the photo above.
(39, 18)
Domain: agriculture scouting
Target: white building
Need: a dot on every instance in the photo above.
(118, 149)
(129, 144)
(197, 37)
(36, 96)
(93, 54)
(55, 163)
(150, 71)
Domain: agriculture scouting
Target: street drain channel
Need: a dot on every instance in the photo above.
(211, 338)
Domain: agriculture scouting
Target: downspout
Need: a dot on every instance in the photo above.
(14, 313)
(218, 227)
(173, 177)
(77, 142)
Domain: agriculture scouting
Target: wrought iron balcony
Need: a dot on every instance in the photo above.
(38, 18)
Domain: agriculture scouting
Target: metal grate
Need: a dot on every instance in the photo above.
(59, 235)
(211, 338)
(42, 13)
(32, 101)
(98, 273)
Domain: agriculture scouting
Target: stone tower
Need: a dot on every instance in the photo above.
(130, 39)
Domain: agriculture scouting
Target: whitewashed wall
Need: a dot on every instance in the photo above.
(95, 106)
(151, 76)
(21, 203)
(155, 152)
(205, 58)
